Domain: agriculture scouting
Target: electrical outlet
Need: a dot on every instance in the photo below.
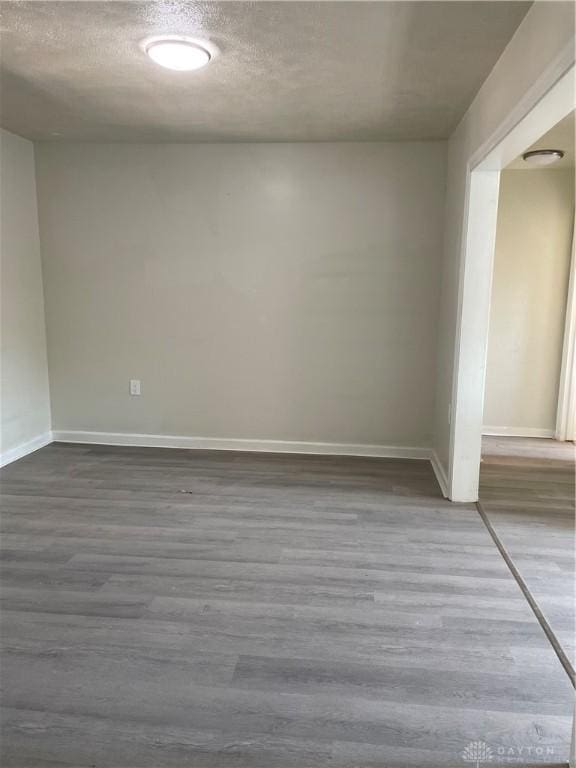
(134, 386)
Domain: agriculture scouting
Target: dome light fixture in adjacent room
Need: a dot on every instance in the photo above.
(543, 157)
(178, 53)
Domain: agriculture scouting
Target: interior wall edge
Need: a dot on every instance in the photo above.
(43, 289)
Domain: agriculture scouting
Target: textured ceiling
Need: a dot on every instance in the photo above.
(561, 136)
(288, 71)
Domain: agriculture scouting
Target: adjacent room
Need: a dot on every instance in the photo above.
(274, 277)
(527, 476)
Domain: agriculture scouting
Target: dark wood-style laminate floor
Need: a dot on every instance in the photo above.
(176, 608)
(527, 491)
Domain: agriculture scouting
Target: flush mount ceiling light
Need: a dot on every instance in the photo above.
(178, 53)
(541, 157)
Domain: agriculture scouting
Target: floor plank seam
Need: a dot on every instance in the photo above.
(553, 640)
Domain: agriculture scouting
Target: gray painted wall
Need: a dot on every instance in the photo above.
(529, 290)
(25, 400)
(280, 291)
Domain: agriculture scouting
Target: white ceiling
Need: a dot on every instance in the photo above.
(561, 136)
(288, 71)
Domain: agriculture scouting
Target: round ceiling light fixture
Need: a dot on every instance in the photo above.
(543, 157)
(181, 54)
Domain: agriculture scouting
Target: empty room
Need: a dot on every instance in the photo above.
(288, 384)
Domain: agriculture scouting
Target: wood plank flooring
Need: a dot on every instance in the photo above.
(178, 608)
(527, 491)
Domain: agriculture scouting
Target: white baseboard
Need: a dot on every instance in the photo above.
(230, 444)
(13, 454)
(237, 444)
(440, 473)
(518, 432)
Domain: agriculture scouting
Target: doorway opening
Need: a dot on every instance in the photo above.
(527, 473)
(529, 369)
(482, 192)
